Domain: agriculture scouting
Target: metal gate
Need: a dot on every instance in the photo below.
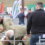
(41, 41)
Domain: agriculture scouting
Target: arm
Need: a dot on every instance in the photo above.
(29, 24)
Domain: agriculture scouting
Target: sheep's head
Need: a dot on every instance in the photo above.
(9, 33)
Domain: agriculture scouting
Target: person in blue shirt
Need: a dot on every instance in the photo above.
(21, 16)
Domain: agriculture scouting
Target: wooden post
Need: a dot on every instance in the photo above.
(23, 4)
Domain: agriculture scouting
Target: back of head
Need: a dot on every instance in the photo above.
(39, 5)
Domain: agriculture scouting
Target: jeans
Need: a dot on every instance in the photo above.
(21, 21)
(34, 39)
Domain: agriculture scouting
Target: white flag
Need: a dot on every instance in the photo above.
(15, 8)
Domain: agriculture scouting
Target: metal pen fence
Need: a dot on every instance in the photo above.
(41, 41)
(12, 41)
(38, 43)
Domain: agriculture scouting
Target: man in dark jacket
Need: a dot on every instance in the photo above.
(36, 24)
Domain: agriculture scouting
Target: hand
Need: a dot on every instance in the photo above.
(28, 35)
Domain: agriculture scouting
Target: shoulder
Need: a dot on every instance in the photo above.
(43, 11)
(32, 13)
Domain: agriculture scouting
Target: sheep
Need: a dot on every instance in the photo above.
(20, 30)
(6, 40)
(7, 22)
(26, 38)
(9, 34)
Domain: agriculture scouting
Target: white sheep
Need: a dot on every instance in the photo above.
(6, 39)
(10, 34)
(20, 30)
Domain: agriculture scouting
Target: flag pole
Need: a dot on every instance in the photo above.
(23, 4)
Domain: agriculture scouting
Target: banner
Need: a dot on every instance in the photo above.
(15, 8)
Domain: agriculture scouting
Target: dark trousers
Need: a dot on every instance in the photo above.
(21, 21)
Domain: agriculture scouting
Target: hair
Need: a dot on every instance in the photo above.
(40, 4)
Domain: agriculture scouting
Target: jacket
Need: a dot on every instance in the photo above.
(36, 22)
